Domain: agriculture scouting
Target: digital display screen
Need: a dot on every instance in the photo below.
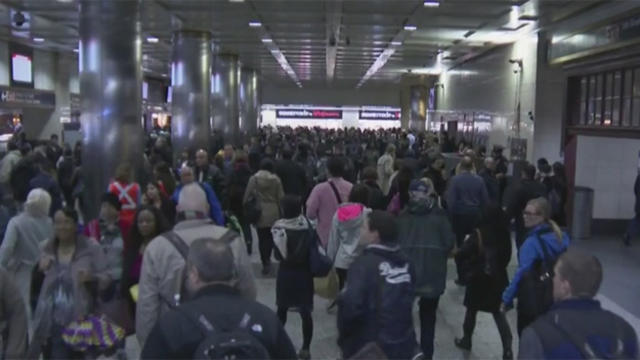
(308, 114)
(21, 68)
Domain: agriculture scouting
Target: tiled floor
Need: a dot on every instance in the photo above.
(620, 293)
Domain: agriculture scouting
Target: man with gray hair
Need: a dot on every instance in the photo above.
(217, 318)
(576, 327)
(164, 259)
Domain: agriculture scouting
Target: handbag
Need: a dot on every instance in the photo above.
(535, 291)
(252, 209)
(319, 263)
(327, 287)
(470, 264)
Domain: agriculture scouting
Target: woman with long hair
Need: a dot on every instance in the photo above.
(148, 223)
(545, 236)
(486, 253)
(154, 196)
(400, 198)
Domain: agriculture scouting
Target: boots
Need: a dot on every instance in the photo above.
(464, 343)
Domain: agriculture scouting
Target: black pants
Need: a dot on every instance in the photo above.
(463, 225)
(307, 324)
(246, 231)
(265, 243)
(342, 277)
(428, 309)
(523, 321)
(501, 323)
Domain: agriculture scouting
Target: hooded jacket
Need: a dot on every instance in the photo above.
(426, 238)
(268, 189)
(344, 237)
(376, 304)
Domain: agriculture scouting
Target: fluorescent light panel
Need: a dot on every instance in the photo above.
(255, 24)
(396, 43)
(38, 39)
(410, 27)
(267, 41)
(152, 39)
(431, 3)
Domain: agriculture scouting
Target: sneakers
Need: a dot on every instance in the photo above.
(464, 343)
(304, 354)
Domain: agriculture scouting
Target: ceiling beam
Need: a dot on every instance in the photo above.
(333, 10)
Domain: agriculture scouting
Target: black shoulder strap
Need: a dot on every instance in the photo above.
(545, 251)
(545, 328)
(335, 192)
(228, 236)
(197, 318)
(178, 243)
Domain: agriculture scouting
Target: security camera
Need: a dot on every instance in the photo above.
(19, 19)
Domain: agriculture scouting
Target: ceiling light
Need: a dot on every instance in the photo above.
(410, 27)
(76, 50)
(38, 39)
(236, 1)
(255, 24)
(396, 43)
(267, 41)
(431, 3)
(152, 39)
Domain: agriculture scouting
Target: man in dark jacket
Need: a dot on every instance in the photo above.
(44, 180)
(528, 189)
(426, 238)
(466, 198)
(207, 173)
(434, 172)
(376, 304)
(292, 175)
(216, 307)
(488, 174)
(576, 327)
(634, 225)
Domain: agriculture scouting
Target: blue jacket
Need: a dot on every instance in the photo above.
(578, 322)
(530, 252)
(214, 205)
(376, 304)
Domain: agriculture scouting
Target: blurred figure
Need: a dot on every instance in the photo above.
(377, 200)
(385, 168)
(527, 190)
(153, 196)
(128, 192)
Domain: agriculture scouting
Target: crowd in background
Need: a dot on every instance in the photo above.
(389, 207)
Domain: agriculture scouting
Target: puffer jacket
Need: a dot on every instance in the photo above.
(376, 304)
(344, 237)
(426, 238)
(268, 189)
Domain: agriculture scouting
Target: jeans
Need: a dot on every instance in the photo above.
(501, 323)
(428, 308)
(265, 243)
(463, 225)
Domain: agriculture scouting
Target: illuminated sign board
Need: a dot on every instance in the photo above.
(379, 115)
(308, 114)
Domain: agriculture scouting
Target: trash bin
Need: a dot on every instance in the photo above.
(582, 213)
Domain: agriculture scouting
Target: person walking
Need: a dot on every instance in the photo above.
(216, 315)
(326, 197)
(426, 239)
(377, 200)
(236, 186)
(560, 186)
(576, 326)
(545, 237)
(128, 192)
(466, 197)
(292, 174)
(527, 190)
(21, 247)
(385, 168)
(267, 188)
(376, 304)
(634, 224)
(486, 254)
(293, 237)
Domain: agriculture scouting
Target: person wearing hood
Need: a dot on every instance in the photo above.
(268, 190)
(293, 237)
(375, 307)
(426, 238)
(343, 247)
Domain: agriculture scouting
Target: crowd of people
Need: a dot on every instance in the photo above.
(168, 256)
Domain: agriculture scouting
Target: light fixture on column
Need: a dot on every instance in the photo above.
(255, 24)
(152, 39)
(431, 3)
(38, 39)
(410, 27)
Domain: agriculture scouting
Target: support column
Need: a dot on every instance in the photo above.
(249, 102)
(225, 112)
(418, 95)
(191, 86)
(110, 86)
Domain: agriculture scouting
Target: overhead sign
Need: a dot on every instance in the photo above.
(27, 97)
(379, 115)
(308, 114)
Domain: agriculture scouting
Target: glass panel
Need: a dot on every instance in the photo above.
(635, 111)
(583, 102)
(626, 96)
(597, 116)
(615, 106)
(608, 99)
(592, 100)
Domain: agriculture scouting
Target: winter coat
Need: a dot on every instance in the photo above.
(293, 177)
(376, 304)
(530, 251)
(492, 184)
(439, 183)
(47, 182)
(467, 194)
(13, 318)
(269, 192)
(385, 170)
(525, 191)
(7, 164)
(213, 176)
(490, 261)
(235, 187)
(322, 205)
(162, 264)
(559, 185)
(293, 240)
(607, 335)
(176, 336)
(426, 238)
(343, 247)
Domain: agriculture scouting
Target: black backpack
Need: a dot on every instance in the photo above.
(229, 344)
